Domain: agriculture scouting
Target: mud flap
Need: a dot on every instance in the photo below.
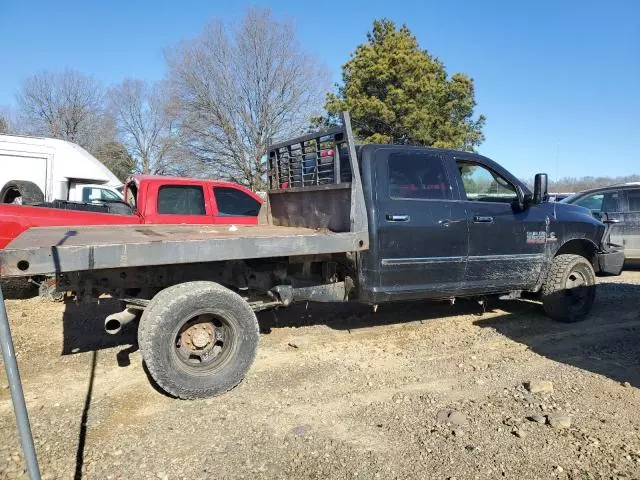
(611, 263)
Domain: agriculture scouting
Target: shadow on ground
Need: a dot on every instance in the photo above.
(606, 343)
(83, 330)
(354, 315)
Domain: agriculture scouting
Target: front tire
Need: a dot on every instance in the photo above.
(198, 339)
(570, 288)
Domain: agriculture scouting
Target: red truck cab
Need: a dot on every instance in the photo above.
(173, 200)
(153, 200)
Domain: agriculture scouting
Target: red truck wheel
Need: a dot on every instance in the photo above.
(198, 339)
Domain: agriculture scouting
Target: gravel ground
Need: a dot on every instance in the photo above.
(413, 391)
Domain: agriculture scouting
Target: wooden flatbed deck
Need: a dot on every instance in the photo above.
(50, 250)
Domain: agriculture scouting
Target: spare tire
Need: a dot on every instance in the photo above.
(22, 193)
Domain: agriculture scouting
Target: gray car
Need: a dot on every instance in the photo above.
(621, 203)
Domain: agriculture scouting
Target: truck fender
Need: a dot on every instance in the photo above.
(577, 246)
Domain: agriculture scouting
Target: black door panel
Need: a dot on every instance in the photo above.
(422, 229)
(506, 242)
(507, 252)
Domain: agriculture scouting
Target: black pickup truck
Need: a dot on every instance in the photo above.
(372, 223)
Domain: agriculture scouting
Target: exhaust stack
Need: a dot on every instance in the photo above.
(113, 323)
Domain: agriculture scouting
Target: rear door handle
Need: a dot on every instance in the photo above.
(398, 218)
(481, 219)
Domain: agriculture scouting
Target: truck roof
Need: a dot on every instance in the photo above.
(168, 180)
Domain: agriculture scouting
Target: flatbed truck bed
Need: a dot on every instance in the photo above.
(56, 250)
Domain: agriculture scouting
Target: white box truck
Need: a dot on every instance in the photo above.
(35, 170)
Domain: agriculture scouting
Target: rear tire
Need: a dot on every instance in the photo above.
(198, 339)
(570, 288)
(22, 193)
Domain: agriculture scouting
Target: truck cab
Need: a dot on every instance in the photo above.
(176, 200)
(446, 223)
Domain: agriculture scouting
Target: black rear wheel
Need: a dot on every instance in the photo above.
(198, 339)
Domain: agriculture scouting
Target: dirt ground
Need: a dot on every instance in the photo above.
(414, 391)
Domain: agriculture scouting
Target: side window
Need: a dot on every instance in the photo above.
(87, 194)
(96, 194)
(600, 202)
(484, 185)
(418, 176)
(234, 202)
(181, 200)
(633, 197)
(108, 195)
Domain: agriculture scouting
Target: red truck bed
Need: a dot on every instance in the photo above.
(15, 219)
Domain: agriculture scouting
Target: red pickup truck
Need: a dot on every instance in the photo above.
(149, 199)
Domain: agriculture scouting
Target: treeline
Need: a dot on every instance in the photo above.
(233, 89)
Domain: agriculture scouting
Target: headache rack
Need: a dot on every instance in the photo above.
(315, 159)
(314, 181)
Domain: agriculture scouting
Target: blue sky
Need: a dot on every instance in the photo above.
(559, 81)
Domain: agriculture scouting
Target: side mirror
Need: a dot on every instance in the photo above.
(540, 188)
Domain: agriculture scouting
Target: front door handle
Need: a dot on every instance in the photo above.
(481, 219)
(398, 218)
(445, 222)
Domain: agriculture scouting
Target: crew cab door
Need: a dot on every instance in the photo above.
(422, 236)
(176, 203)
(232, 205)
(506, 242)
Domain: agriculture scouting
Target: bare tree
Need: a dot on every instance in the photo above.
(238, 88)
(66, 105)
(144, 124)
(4, 125)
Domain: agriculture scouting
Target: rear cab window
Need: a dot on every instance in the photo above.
(633, 200)
(417, 176)
(181, 200)
(233, 202)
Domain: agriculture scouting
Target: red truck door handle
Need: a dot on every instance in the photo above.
(481, 219)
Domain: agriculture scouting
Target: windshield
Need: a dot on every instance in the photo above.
(571, 198)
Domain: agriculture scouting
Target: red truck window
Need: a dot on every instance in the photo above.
(181, 200)
(234, 203)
